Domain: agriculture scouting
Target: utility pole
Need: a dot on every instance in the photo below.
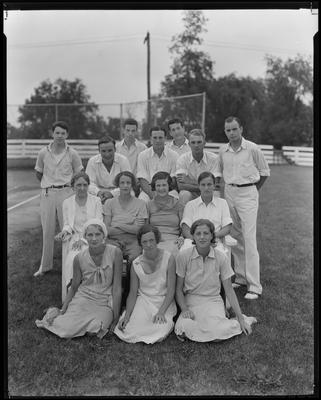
(147, 39)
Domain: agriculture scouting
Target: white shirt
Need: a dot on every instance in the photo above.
(186, 164)
(217, 211)
(149, 163)
(245, 165)
(131, 153)
(99, 176)
(184, 148)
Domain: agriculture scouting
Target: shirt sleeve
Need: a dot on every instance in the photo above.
(218, 166)
(142, 171)
(90, 171)
(124, 164)
(181, 167)
(76, 162)
(39, 163)
(260, 161)
(225, 268)
(181, 265)
(226, 216)
(187, 215)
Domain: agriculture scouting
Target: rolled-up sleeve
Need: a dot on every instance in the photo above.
(188, 215)
(39, 163)
(142, 171)
(181, 167)
(260, 162)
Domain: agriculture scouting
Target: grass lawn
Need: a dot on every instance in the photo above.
(277, 359)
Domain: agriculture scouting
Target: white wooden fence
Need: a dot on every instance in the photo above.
(21, 149)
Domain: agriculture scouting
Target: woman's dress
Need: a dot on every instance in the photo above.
(202, 285)
(151, 294)
(90, 310)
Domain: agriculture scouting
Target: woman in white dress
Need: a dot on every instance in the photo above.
(200, 271)
(92, 304)
(150, 305)
(77, 210)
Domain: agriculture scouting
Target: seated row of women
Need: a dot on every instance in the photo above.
(93, 303)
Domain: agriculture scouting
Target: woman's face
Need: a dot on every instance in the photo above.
(148, 241)
(81, 187)
(94, 236)
(206, 186)
(202, 236)
(161, 187)
(125, 184)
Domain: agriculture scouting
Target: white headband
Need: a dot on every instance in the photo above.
(95, 221)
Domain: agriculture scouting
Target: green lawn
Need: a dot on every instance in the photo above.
(277, 359)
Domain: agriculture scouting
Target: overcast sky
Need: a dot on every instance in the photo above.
(105, 48)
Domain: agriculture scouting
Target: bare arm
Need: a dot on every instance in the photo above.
(116, 289)
(186, 231)
(76, 279)
(145, 186)
(180, 298)
(131, 299)
(39, 175)
(260, 183)
(223, 231)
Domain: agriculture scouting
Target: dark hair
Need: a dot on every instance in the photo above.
(162, 175)
(61, 124)
(130, 121)
(130, 175)
(148, 228)
(197, 132)
(175, 121)
(231, 119)
(206, 222)
(80, 174)
(205, 174)
(156, 128)
(106, 139)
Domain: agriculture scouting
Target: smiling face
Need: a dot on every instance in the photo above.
(94, 236)
(81, 187)
(233, 131)
(148, 241)
(197, 144)
(161, 187)
(59, 135)
(125, 184)
(107, 151)
(206, 186)
(202, 237)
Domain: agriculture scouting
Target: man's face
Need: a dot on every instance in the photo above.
(176, 130)
(130, 132)
(157, 139)
(233, 131)
(59, 134)
(196, 144)
(107, 151)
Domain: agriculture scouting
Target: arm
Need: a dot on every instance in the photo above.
(111, 230)
(260, 183)
(131, 299)
(116, 289)
(90, 171)
(170, 292)
(180, 298)
(223, 231)
(145, 186)
(39, 175)
(187, 183)
(131, 228)
(186, 231)
(76, 162)
(76, 279)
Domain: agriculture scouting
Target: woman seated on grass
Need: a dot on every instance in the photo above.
(77, 209)
(150, 305)
(201, 269)
(166, 212)
(92, 304)
(124, 215)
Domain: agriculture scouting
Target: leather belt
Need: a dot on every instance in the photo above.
(244, 184)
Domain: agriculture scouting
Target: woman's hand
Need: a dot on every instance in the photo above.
(188, 314)
(159, 318)
(246, 328)
(179, 241)
(122, 323)
(62, 236)
(77, 245)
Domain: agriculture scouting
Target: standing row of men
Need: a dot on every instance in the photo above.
(240, 163)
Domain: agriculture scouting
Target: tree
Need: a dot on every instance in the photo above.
(48, 104)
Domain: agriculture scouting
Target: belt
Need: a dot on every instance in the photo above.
(244, 184)
(57, 187)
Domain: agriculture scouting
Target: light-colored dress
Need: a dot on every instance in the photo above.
(202, 285)
(151, 294)
(167, 219)
(90, 308)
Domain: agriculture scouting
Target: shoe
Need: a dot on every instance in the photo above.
(251, 296)
(39, 273)
(230, 241)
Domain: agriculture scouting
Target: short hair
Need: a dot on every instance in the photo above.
(148, 228)
(130, 121)
(162, 175)
(130, 175)
(197, 132)
(206, 222)
(156, 128)
(97, 226)
(80, 174)
(231, 119)
(205, 174)
(106, 139)
(61, 124)
(175, 121)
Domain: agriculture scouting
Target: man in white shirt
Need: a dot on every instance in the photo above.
(244, 169)
(156, 158)
(103, 168)
(129, 146)
(190, 165)
(177, 132)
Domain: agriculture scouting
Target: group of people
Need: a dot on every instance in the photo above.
(159, 212)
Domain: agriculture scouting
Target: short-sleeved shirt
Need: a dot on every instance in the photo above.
(184, 148)
(202, 277)
(149, 163)
(245, 165)
(131, 153)
(99, 176)
(57, 170)
(113, 209)
(217, 211)
(186, 164)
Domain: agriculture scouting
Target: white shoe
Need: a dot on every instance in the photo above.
(251, 296)
(230, 241)
(39, 273)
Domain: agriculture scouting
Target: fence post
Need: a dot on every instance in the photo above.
(203, 112)
(296, 155)
(23, 147)
(56, 112)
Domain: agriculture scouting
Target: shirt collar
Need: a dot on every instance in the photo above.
(243, 145)
(172, 144)
(155, 154)
(199, 201)
(195, 254)
(122, 143)
(49, 147)
(204, 158)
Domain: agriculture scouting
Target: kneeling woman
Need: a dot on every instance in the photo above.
(200, 271)
(92, 304)
(150, 305)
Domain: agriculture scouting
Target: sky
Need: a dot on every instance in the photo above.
(105, 49)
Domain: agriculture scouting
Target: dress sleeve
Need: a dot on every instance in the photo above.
(181, 264)
(107, 208)
(142, 211)
(225, 268)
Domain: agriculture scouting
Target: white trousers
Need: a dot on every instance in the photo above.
(243, 203)
(50, 208)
